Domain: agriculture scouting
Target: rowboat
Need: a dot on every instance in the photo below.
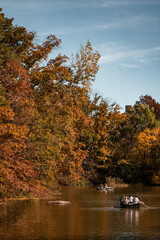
(129, 205)
(104, 188)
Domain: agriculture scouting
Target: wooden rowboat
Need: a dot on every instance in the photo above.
(129, 205)
(104, 188)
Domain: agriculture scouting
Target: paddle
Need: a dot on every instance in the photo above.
(117, 205)
(143, 204)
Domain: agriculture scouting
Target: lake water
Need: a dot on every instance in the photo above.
(90, 216)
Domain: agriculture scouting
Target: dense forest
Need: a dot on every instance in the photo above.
(53, 132)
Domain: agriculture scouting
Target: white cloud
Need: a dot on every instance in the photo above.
(146, 23)
(128, 65)
(126, 57)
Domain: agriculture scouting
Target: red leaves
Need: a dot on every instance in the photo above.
(18, 91)
(151, 102)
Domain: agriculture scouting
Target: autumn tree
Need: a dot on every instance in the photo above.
(62, 106)
(123, 140)
(84, 68)
(49, 106)
(152, 104)
(148, 154)
(16, 113)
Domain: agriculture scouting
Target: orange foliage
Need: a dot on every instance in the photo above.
(16, 112)
(145, 143)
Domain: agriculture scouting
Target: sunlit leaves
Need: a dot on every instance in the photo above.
(85, 65)
(146, 141)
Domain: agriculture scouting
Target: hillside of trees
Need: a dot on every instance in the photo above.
(52, 131)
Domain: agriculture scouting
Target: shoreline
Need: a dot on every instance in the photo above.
(4, 201)
(53, 193)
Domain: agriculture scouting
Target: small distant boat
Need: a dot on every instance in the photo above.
(104, 188)
(129, 205)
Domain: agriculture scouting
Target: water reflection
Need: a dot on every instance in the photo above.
(132, 216)
(103, 191)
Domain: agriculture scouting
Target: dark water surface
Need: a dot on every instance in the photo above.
(90, 216)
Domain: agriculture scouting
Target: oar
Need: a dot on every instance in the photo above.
(117, 205)
(143, 204)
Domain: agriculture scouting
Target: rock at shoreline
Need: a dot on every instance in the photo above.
(59, 202)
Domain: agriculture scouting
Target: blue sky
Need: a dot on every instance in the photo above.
(125, 32)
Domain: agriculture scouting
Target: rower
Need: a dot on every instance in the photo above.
(126, 200)
(121, 200)
(130, 199)
(136, 200)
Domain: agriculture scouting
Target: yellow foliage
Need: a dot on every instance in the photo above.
(11, 130)
(6, 113)
(147, 139)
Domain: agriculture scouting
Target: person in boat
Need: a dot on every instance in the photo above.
(130, 199)
(135, 200)
(126, 200)
(105, 185)
(121, 200)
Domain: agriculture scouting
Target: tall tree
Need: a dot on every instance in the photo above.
(61, 104)
(16, 112)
